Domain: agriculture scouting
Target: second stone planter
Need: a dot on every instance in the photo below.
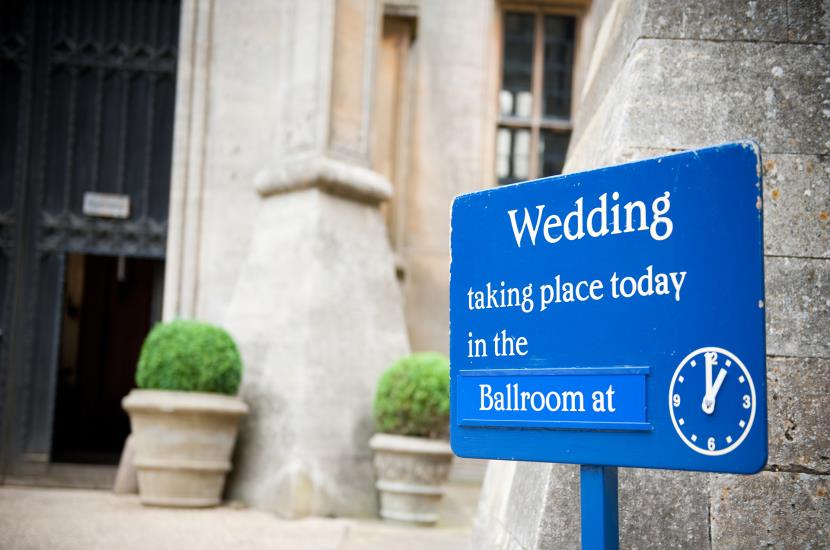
(411, 474)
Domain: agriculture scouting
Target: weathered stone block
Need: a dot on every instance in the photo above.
(525, 506)
(559, 524)
(798, 398)
(808, 21)
(663, 509)
(725, 20)
(658, 509)
(682, 95)
(622, 25)
(603, 127)
(772, 93)
(770, 510)
(490, 530)
(797, 205)
(769, 88)
(798, 307)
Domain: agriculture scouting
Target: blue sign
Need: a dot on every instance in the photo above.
(614, 317)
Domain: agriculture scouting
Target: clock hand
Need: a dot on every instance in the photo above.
(708, 404)
(718, 382)
(711, 359)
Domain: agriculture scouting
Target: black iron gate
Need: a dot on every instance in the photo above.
(86, 107)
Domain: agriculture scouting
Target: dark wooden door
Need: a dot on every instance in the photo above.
(87, 92)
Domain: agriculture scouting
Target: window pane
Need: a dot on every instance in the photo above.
(558, 63)
(512, 155)
(521, 154)
(503, 140)
(552, 149)
(516, 98)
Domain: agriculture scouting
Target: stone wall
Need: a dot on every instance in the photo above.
(667, 75)
(224, 130)
(451, 135)
(265, 90)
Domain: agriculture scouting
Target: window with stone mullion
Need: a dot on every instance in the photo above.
(529, 131)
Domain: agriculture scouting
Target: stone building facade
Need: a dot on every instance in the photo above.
(295, 122)
(362, 100)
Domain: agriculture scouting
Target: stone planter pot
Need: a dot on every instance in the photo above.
(411, 473)
(183, 444)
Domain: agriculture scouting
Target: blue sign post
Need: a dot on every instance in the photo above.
(613, 318)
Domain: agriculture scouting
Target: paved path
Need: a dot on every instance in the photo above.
(33, 518)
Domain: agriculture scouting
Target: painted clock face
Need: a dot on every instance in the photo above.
(712, 401)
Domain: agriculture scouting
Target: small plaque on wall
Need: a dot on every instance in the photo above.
(106, 205)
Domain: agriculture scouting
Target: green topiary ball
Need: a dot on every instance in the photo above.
(413, 396)
(189, 356)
